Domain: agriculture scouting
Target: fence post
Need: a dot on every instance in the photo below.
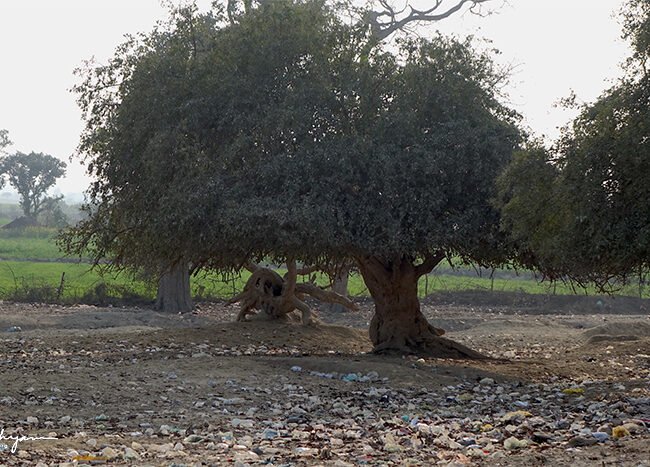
(59, 290)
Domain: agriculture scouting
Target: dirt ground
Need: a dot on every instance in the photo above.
(567, 385)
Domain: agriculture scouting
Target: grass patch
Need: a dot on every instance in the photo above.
(40, 281)
(29, 243)
(20, 280)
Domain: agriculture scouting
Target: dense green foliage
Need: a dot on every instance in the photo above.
(582, 208)
(271, 137)
(636, 29)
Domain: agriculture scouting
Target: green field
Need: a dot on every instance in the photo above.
(31, 243)
(31, 269)
(17, 278)
(41, 281)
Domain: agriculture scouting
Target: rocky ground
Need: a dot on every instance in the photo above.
(133, 387)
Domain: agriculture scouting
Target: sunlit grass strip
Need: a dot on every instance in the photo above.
(43, 279)
(83, 284)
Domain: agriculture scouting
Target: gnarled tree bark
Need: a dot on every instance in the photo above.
(398, 324)
(276, 296)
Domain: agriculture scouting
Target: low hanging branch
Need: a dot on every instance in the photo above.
(276, 296)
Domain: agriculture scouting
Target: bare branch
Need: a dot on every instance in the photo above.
(382, 29)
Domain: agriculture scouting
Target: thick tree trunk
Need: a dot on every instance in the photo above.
(398, 325)
(174, 290)
(340, 286)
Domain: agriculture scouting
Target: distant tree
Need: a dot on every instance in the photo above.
(271, 137)
(580, 210)
(32, 175)
(4, 140)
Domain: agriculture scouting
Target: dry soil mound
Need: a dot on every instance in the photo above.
(285, 337)
(617, 332)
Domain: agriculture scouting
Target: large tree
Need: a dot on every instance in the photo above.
(403, 184)
(277, 136)
(579, 210)
(32, 175)
(378, 21)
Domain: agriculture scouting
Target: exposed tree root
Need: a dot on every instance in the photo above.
(422, 339)
(433, 346)
(325, 295)
(276, 296)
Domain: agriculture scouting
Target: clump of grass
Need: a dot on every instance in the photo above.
(32, 291)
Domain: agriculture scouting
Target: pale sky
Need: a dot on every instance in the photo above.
(556, 46)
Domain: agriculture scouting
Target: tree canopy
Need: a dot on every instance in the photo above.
(580, 209)
(32, 175)
(221, 143)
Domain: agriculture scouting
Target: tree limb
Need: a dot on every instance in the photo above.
(304, 309)
(430, 261)
(289, 288)
(325, 296)
(382, 29)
